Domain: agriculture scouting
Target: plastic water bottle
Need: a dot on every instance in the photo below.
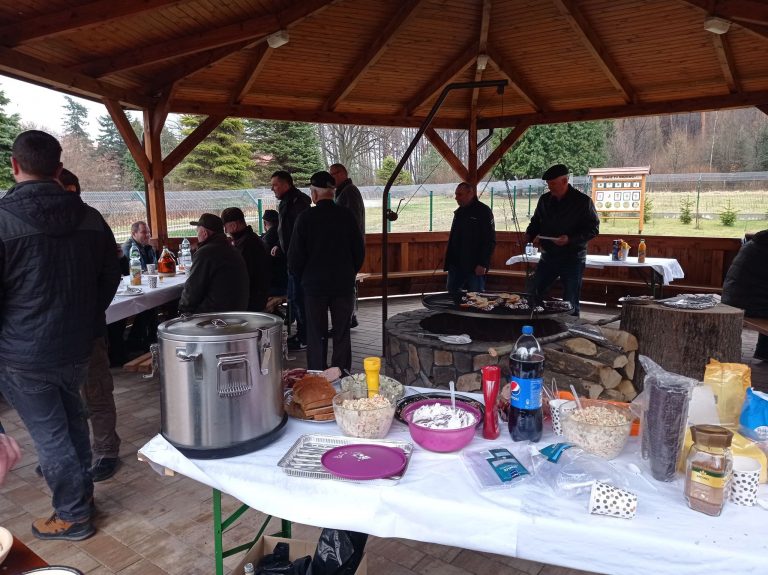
(186, 254)
(526, 365)
(529, 249)
(135, 266)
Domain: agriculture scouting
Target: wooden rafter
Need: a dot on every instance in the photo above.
(458, 65)
(750, 15)
(27, 67)
(517, 83)
(595, 46)
(372, 54)
(74, 18)
(258, 59)
(485, 21)
(447, 153)
(503, 147)
(190, 142)
(251, 29)
(130, 138)
(725, 59)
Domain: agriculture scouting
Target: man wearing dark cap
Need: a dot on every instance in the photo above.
(564, 221)
(279, 284)
(327, 251)
(256, 258)
(218, 280)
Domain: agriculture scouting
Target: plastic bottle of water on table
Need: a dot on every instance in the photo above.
(526, 365)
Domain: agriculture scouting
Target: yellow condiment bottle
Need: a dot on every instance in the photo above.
(372, 367)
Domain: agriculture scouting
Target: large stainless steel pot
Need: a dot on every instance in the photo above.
(220, 378)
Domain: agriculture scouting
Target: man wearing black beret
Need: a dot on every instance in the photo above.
(564, 221)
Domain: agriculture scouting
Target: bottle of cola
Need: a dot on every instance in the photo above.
(526, 365)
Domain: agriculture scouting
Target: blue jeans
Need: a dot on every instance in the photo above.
(296, 301)
(458, 280)
(49, 403)
(570, 270)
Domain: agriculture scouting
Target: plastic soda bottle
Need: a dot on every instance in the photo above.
(135, 266)
(526, 365)
(529, 249)
(641, 251)
(186, 254)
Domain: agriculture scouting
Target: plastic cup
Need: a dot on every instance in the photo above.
(554, 409)
(608, 500)
(151, 269)
(745, 481)
(152, 281)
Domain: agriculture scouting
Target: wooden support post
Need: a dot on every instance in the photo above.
(472, 156)
(445, 151)
(153, 126)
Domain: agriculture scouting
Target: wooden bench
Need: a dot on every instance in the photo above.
(141, 364)
(759, 324)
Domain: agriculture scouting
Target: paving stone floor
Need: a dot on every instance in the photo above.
(149, 524)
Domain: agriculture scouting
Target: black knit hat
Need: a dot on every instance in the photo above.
(271, 216)
(232, 215)
(322, 180)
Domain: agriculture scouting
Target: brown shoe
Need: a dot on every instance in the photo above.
(56, 528)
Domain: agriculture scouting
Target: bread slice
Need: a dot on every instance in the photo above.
(314, 394)
(324, 417)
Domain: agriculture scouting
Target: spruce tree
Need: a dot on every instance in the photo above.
(9, 128)
(76, 117)
(290, 146)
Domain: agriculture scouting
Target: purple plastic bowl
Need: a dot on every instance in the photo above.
(440, 440)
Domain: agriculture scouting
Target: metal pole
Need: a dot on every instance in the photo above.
(258, 208)
(530, 189)
(499, 84)
(431, 193)
(491, 198)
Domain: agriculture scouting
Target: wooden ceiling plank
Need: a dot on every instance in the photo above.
(445, 151)
(130, 138)
(190, 142)
(76, 17)
(725, 59)
(596, 48)
(372, 54)
(458, 65)
(493, 158)
(515, 81)
(259, 59)
(485, 22)
(50, 75)
(751, 16)
(251, 29)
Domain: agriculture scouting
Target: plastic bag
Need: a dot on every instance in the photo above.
(729, 382)
(277, 563)
(570, 471)
(754, 416)
(497, 468)
(665, 415)
(338, 552)
(692, 301)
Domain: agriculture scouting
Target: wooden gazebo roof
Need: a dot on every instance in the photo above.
(383, 62)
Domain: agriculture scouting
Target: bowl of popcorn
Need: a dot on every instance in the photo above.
(388, 387)
(599, 427)
(437, 426)
(367, 417)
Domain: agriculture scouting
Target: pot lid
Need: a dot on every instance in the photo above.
(217, 326)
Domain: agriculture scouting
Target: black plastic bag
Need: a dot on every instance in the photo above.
(338, 552)
(277, 563)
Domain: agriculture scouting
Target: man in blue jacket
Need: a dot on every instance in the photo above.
(58, 274)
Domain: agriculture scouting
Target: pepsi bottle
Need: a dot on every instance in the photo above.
(526, 365)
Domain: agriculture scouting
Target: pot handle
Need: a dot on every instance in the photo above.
(182, 355)
(227, 386)
(154, 349)
(265, 353)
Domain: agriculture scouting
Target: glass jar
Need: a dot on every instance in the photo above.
(166, 265)
(708, 468)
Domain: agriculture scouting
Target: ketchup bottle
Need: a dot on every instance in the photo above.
(491, 383)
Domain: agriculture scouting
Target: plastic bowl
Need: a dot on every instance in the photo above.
(388, 387)
(604, 437)
(6, 541)
(444, 401)
(365, 423)
(440, 440)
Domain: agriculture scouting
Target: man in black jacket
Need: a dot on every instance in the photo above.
(326, 253)
(58, 274)
(218, 280)
(292, 203)
(256, 258)
(140, 235)
(279, 283)
(470, 243)
(564, 221)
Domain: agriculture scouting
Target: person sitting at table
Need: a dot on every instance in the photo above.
(746, 284)
(568, 216)
(143, 331)
(257, 260)
(140, 234)
(278, 285)
(218, 280)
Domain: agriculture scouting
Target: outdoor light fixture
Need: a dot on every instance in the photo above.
(279, 38)
(716, 25)
(482, 61)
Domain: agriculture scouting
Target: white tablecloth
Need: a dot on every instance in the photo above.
(438, 501)
(125, 306)
(668, 268)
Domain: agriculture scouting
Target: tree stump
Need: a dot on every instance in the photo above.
(683, 340)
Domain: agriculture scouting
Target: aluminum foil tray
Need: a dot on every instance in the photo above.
(303, 458)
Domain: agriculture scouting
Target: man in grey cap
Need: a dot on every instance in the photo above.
(564, 221)
(218, 280)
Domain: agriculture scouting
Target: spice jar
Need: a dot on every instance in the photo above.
(708, 468)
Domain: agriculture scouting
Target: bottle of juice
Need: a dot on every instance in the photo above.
(641, 251)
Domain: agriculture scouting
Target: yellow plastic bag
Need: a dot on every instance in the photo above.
(729, 383)
(740, 445)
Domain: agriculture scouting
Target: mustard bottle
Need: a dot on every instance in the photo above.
(372, 367)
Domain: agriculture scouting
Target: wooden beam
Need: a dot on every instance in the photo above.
(516, 82)
(158, 220)
(129, 137)
(472, 149)
(447, 153)
(725, 59)
(372, 54)
(49, 75)
(458, 64)
(75, 18)
(251, 29)
(190, 142)
(595, 47)
(503, 147)
(747, 11)
(485, 20)
(259, 57)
